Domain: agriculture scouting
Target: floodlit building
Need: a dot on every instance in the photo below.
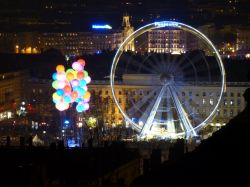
(78, 43)
(12, 93)
(167, 41)
(232, 102)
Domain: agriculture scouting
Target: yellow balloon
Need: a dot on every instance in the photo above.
(70, 76)
(60, 68)
(87, 95)
(56, 96)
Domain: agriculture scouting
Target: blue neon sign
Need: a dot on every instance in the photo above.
(101, 27)
(166, 24)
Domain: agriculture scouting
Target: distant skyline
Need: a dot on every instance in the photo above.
(78, 15)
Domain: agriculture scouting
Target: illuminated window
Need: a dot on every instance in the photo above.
(225, 102)
(211, 101)
(232, 102)
(203, 101)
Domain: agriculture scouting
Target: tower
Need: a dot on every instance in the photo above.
(127, 30)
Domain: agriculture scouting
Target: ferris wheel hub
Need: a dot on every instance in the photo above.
(166, 78)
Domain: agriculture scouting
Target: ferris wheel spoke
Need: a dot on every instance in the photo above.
(194, 59)
(137, 106)
(149, 121)
(133, 63)
(161, 63)
(190, 109)
(158, 63)
(146, 113)
(189, 130)
(143, 66)
(208, 67)
(152, 64)
(148, 64)
(181, 60)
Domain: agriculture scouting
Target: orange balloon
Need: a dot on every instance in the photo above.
(87, 95)
(80, 75)
(67, 89)
(81, 61)
(74, 95)
(60, 68)
(70, 76)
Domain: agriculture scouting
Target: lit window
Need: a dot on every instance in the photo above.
(225, 102)
(203, 101)
(232, 102)
(211, 101)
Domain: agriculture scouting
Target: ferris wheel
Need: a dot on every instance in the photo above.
(174, 88)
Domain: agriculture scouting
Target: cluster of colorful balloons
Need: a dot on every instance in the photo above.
(71, 86)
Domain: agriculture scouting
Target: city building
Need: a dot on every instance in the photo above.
(243, 42)
(32, 98)
(69, 43)
(12, 93)
(232, 103)
(78, 43)
(232, 41)
(167, 41)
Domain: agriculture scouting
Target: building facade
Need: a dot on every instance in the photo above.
(34, 100)
(78, 43)
(232, 102)
(12, 93)
(167, 41)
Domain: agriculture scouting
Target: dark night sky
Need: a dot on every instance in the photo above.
(77, 15)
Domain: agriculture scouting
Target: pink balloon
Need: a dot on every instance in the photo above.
(77, 66)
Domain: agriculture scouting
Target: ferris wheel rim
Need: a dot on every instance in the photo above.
(172, 24)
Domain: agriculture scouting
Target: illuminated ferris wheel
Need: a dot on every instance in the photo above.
(174, 89)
